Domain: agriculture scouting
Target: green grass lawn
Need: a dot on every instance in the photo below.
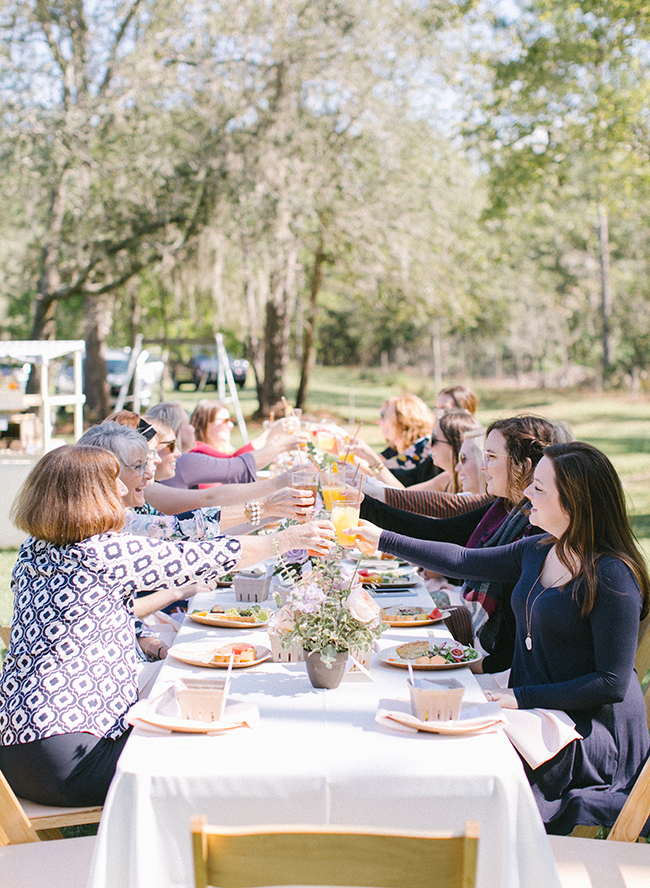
(617, 423)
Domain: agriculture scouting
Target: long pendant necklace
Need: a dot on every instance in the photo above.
(529, 614)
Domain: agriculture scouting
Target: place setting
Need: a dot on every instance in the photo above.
(196, 705)
(436, 706)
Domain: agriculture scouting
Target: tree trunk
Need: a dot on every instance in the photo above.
(96, 326)
(44, 323)
(309, 323)
(275, 352)
(606, 296)
(436, 347)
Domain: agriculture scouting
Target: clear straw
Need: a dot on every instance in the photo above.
(226, 687)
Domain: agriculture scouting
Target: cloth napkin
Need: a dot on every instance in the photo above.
(537, 734)
(478, 717)
(162, 713)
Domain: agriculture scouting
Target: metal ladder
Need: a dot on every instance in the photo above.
(225, 375)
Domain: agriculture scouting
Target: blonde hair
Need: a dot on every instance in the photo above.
(413, 419)
(70, 495)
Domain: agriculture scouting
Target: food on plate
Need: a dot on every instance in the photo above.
(252, 613)
(387, 577)
(409, 614)
(244, 653)
(412, 649)
(425, 653)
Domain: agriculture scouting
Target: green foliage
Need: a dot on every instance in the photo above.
(321, 612)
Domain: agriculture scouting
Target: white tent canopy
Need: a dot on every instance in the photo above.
(41, 352)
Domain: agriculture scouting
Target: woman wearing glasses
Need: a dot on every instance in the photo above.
(268, 499)
(513, 447)
(70, 675)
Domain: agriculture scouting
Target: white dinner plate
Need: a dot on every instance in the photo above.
(408, 624)
(201, 654)
(390, 657)
(210, 619)
(459, 726)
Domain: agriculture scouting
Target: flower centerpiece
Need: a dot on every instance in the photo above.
(328, 614)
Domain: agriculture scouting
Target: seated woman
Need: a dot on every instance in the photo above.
(69, 677)
(446, 440)
(198, 465)
(405, 422)
(456, 397)
(213, 425)
(165, 502)
(440, 504)
(580, 591)
(513, 447)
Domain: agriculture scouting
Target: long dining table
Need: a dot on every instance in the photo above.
(316, 757)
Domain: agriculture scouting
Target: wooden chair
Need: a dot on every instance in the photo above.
(43, 820)
(295, 855)
(27, 862)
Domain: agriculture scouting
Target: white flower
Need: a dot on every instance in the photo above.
(362, 606)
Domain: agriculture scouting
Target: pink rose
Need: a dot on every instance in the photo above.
(362, 606)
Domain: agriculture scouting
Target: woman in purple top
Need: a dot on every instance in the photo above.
(580, 591)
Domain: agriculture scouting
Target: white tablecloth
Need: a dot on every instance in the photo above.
(316, 757)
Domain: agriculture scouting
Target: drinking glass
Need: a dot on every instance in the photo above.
(332, 487)
(306, 480)
(345, 513)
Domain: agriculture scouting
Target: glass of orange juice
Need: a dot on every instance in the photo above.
(332, 486)
(345, 513)
(306, 480)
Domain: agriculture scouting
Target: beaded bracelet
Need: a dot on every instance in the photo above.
(376, 469)
(253, 512)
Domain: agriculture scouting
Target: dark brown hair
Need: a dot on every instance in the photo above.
(70, 495)
(526, 437)
(591, 493)
(463, 397)
(454, 424)
(204, 413)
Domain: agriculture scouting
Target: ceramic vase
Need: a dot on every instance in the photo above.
(319, 675)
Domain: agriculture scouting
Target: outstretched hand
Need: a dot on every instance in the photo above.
(367, 535)
(289, 502)
(315, 536)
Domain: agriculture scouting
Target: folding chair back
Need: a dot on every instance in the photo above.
(294, 855)
(15, 828)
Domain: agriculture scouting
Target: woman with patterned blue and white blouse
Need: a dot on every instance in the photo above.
(69, 677)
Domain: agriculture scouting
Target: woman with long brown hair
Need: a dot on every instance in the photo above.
(446, 440)
(580, 592)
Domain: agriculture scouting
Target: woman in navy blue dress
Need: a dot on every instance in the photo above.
(580, 592)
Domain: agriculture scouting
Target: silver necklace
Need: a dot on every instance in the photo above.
(529, 615)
